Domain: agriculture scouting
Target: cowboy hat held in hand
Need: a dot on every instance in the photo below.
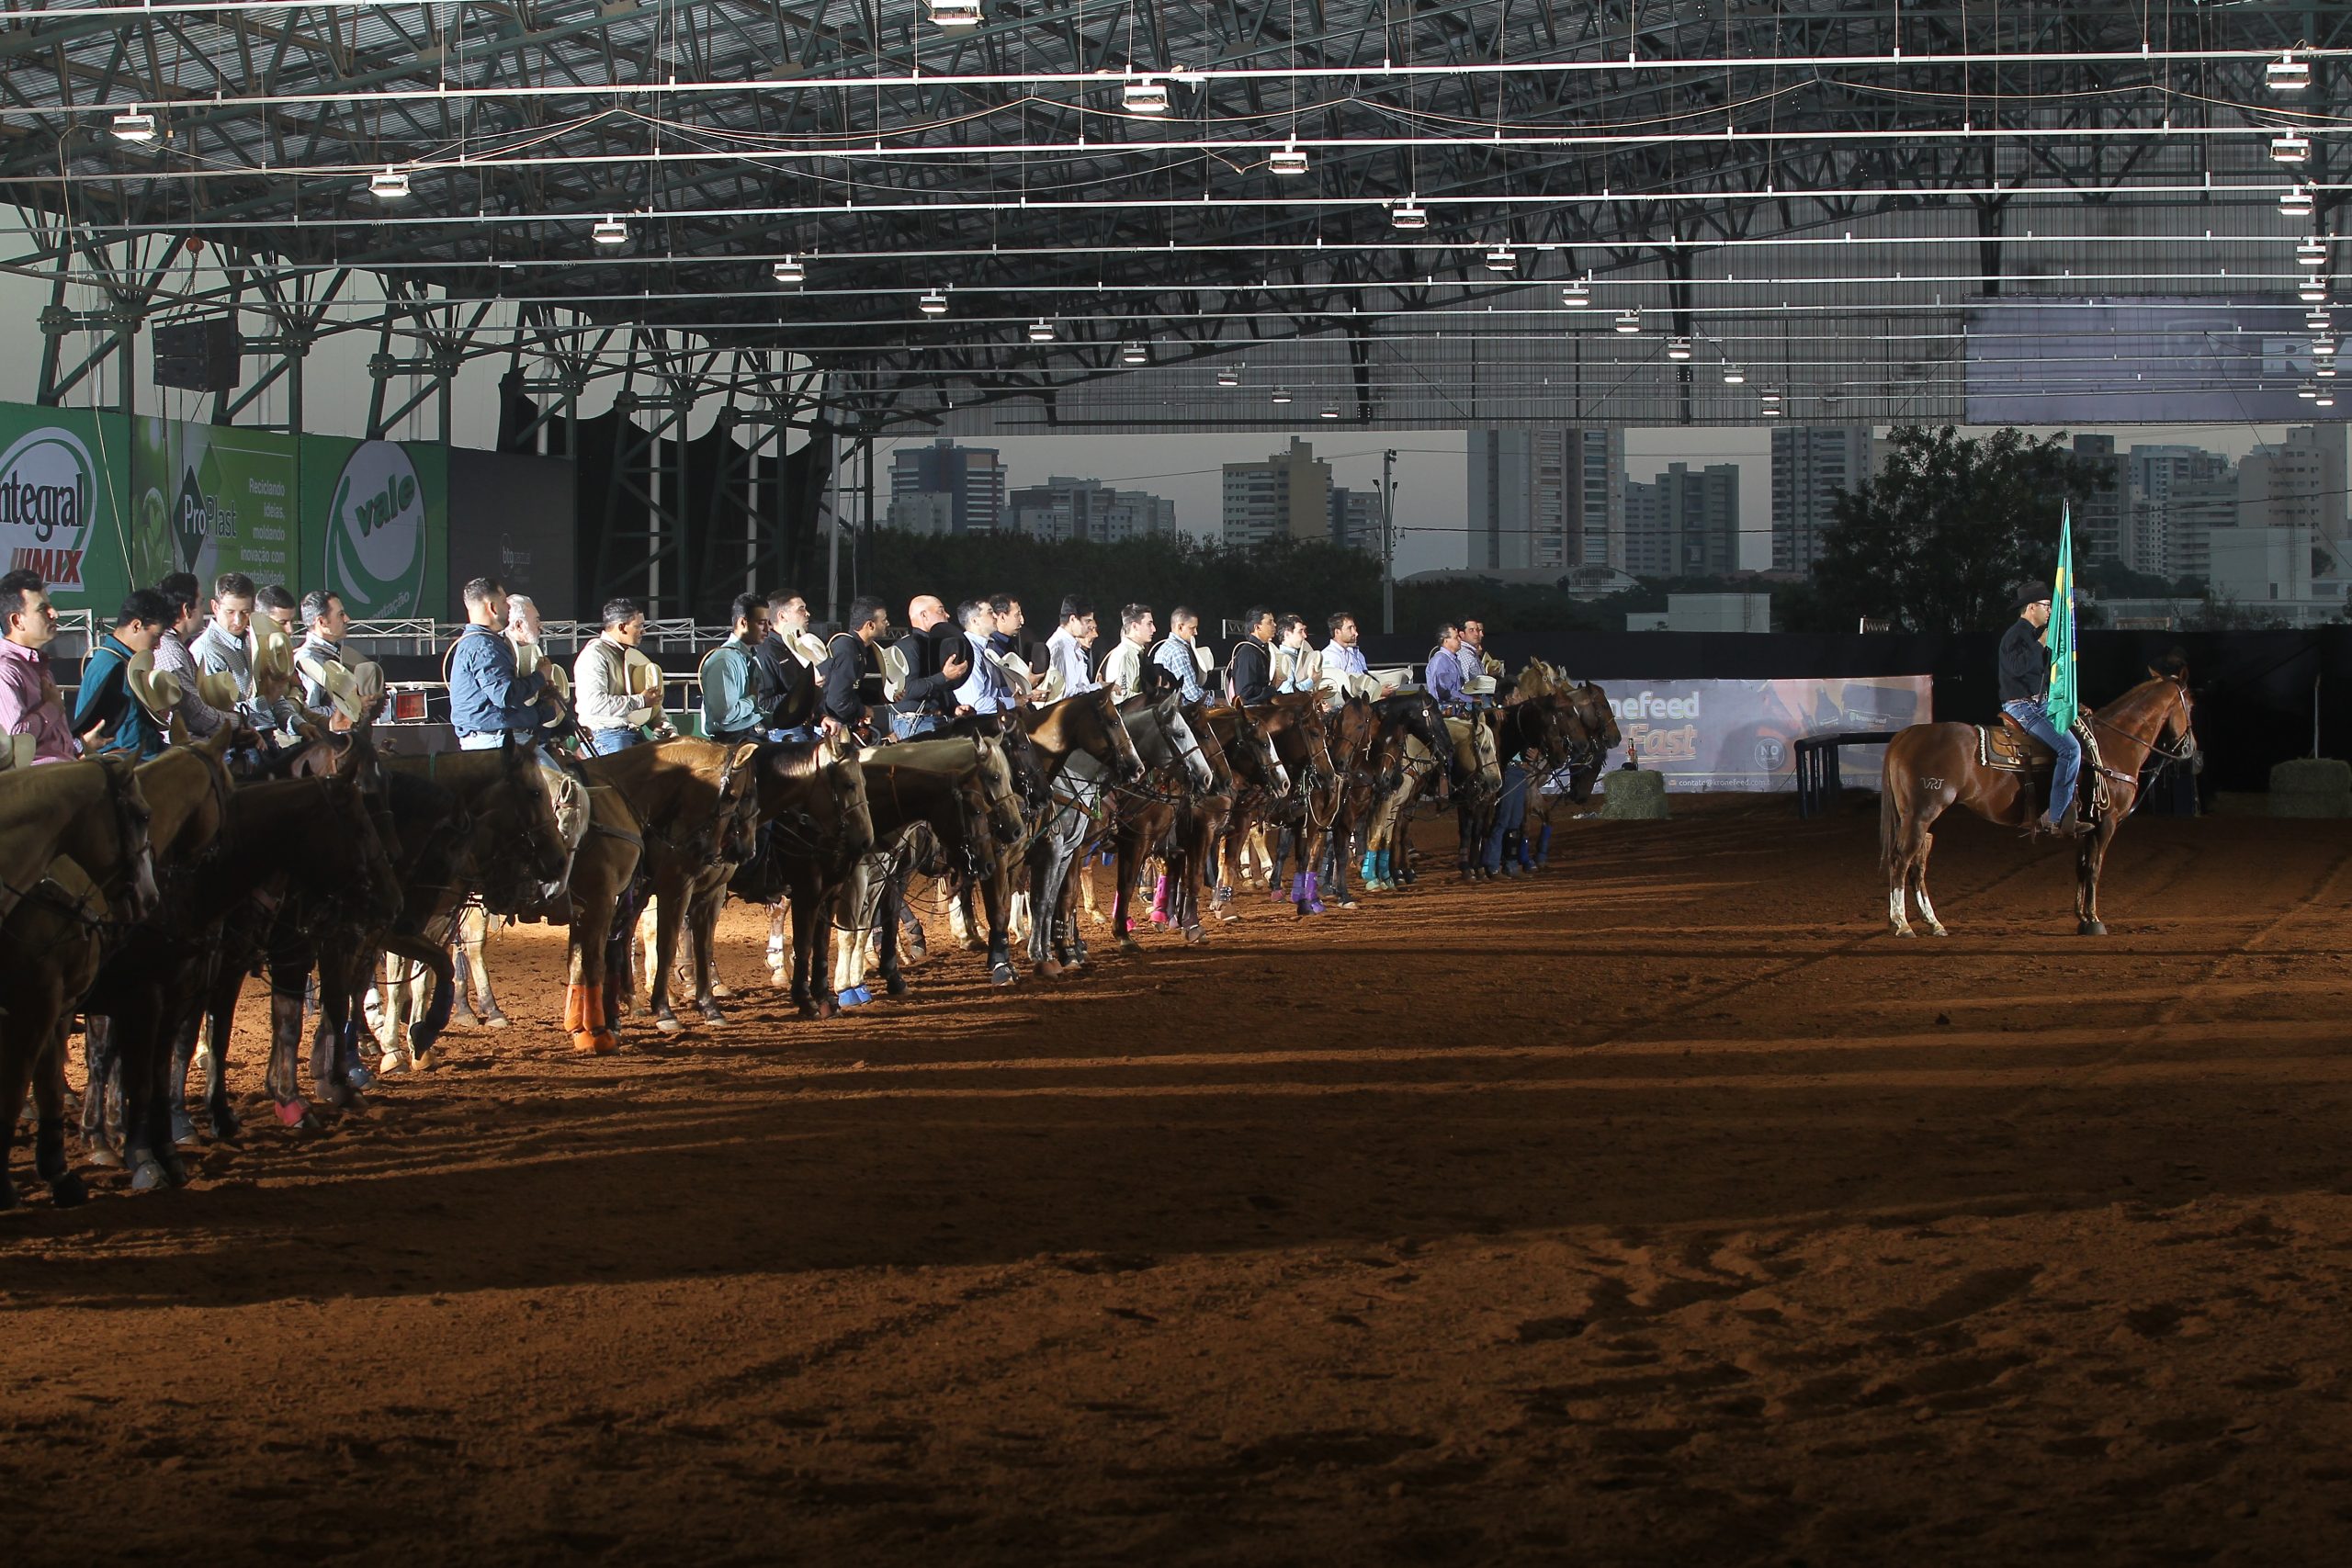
(157, 690)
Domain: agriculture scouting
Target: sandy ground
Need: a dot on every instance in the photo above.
(1661, 1210)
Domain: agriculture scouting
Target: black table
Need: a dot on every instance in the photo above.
(1817, 783)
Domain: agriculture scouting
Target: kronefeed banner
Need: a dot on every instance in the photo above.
(213, 498)
(376, 524)
(1742, 735)
(63, 475)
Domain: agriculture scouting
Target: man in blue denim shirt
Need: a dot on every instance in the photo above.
(488, 700)
(1174, 653)
(2025, 688)
(106, 716)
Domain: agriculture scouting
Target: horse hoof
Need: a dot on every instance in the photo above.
(584, 1044)
(2091, 928)
(917, 952)
(668, 1024)
(102, 1153)
(712, 1015)
(1938, 930)
(896, 986)
(974, 944)
(183, 1129)
(722, 992)
(1004, 975)
(1195, 936)
(496, 1020)
(226, 1128)
(291, 1112)
(1903, 931)
(146, 1176)
(1348, 904)
(1129, 944)
(69, 1191)
(1049, 970)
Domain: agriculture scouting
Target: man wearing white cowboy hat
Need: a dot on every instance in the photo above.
(1345, 673)
(790, 656)
(1296, 667)
(198, 715)
(323, 613)
(490, 700)
(108, 715)
(615, 688)
(1068, 671)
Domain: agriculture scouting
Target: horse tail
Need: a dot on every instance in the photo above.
(1890, 814)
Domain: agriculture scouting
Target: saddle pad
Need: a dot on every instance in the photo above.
(2011, 750)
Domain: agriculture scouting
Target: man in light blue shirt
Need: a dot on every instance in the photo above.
(1175, 653)
(1443, 676)
(734, 688)
(986, 689)
(1344, 659)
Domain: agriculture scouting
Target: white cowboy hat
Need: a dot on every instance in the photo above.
(273, 653)
(351, 689)
(1477, 685)
(640, 677)
(530, 658)
(218, 689)
(17, 753)
(1047, 688)
(1204, 658)
(157, 690)
(1398, 676)
(1016, 673)
(894, 672)
(806, 647)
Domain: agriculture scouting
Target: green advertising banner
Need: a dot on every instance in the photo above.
(65, 483)
(212, 498)
(376, 524)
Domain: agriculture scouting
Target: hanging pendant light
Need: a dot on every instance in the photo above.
(934, 303)
(2314, 290)
(1408, 214)
(955, 12)
(1328, 413)
(1146, 96)
(2289, 148)
(1134, 354)
(2288, 74)
(1734, 376)
(389, 184)
(789, 270)
(2311, 252)
(1575, 293)
(609, 231)
(1288, 161)
(1228, 376)
(1282, 394)
(1677, 349)
(1502, 259)
(1041, 331)
(2297, 202)
(135, 126)
(1629, 322)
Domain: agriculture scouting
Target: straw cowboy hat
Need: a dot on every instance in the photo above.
(157, 690)
(894, 672)
(351, 689)
(15, 751)
(529, 659)
(642, 679)
(1398, 676)
(1047, 688)
(218, 689)
(1016, 672)
(1204, 658)
(806, 647)
(273, 653)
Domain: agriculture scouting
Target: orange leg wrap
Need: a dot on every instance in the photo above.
(584, 1014)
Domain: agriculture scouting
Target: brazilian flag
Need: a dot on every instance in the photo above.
(2059, 635)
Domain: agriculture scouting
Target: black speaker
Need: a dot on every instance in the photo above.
(200, 355)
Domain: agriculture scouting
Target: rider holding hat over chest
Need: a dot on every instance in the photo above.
(2025, 688)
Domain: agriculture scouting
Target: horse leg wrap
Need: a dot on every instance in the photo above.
(1159, 902)
(1314, 894)
(1543, 846)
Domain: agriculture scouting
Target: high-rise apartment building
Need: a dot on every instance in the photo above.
(1066, 508)
(1355, 519)
(2168, 503)
(1811, 467)
(1288, 496)
(2099, 519)
(972, 476)
(1546, 497)
(1684, 525)
(2295, 483)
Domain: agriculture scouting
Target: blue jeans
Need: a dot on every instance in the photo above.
(2035, 719)
(492, 739)
(906, 726)
(604, 742)
(1511, 814)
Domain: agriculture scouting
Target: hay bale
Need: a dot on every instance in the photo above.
(2312, 786)
(1634, 796)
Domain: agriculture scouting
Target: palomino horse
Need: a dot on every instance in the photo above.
(1931, 767)
(51, 943)
(40, 806)
(1084, 749)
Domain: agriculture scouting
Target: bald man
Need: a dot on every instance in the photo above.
(937, 661)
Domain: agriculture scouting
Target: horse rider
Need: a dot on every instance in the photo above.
(1123, 666)
(1009, 619)
(1344, 669)
(1295, 666)
(600, 683)
(1442, 674)
(488, 700)
(738, 700)
(2025, 692)
(1252, 673)
(226, 645)
(106, 715)
(853, 688)
(275, 602)
(323, 613)
(173, 656)
(1175, 654)
(987, 689)
(790, 657)
(1066, 650)
(1481, 671)
(29, 703)
(938, 661)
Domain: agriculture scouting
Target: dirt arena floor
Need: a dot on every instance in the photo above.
(1661, 1211)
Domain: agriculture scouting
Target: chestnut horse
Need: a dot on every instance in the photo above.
(1931, 767)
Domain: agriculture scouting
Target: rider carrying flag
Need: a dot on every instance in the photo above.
(2025, 690)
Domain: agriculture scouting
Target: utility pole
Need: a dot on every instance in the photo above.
(1388, 541)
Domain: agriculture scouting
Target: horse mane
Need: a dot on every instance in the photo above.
(1538, 679)
(792, 759)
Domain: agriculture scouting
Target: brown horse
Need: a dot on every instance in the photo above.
(1931, 767)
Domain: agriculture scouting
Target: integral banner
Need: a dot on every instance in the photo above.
(1741, 735)
(375, 524)
(63, 474)
(212, 498)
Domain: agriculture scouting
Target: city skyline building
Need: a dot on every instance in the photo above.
(1286, 496)
(1812, 465)
(1547, 498)
(1685, 523)
(972, 477)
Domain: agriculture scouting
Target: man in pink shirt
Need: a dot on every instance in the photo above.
(28, 699)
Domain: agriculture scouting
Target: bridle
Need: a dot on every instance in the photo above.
(2185, 751)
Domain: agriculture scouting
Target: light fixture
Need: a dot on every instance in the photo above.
(390, 184)
(2322, 348)
(1575, 293)
(955, 12)
(2289, 148)
(2308, 390)
(933, 304)
(2314, 290)
(2324, 372)
(609, 231)
(1146, 96)
(2311, 252)
(1408, 214)
(1771, 399)
(1773, 411)
(2296, 203)
(1328, 413)
(1288, 161)
(1228, 376)
(2326, 400)
(1735, 376)
(134, 125)
(1134, 354)
(1677, 349)
(1502, 259)
(2318, 321)
(2288, 74)
(1629, 320)
(1041, 331)
(789, 270)
(1282, 394)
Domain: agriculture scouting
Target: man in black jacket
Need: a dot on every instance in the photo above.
(1252, 668)
(851, 680)
(2025, 689)
(791, 684)
(937, 660)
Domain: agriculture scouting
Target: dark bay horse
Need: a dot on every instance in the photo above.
(1083, 748)
(1931, 767)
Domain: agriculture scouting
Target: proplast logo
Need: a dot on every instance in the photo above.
(47, 480)
(376, 531)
